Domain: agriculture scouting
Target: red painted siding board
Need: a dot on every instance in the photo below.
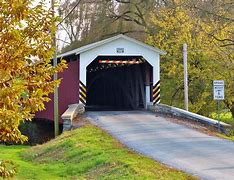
(68, 92)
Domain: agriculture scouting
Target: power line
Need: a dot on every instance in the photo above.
(69, 12)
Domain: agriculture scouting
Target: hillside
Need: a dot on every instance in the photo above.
(85, 153)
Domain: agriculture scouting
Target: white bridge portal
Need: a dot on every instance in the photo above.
(118, 72)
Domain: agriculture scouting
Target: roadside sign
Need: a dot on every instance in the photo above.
(218, 89)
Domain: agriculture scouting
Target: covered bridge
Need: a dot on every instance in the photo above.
(118, 73)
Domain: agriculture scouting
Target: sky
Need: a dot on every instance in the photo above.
(61, 34)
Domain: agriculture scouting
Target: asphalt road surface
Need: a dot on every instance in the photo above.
(177, 146)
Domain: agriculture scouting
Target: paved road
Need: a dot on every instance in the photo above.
(175, 145)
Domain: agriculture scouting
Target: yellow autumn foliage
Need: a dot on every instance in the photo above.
(209, 56)
(26, 70)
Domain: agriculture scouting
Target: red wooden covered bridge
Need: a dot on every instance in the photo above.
(118, 73)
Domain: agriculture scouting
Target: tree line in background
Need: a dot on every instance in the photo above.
(206, 26)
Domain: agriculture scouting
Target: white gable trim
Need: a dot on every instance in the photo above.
(100, 43)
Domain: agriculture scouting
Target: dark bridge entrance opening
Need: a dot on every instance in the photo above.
(117, 83)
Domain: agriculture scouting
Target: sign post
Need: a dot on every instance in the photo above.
(218, 91)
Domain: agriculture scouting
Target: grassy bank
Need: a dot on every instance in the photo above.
(227, 118)
(85, 153)
(224, 117)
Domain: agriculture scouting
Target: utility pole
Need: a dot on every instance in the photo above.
(55, 78)
(185, 77)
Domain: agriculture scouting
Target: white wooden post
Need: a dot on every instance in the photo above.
(185, 77)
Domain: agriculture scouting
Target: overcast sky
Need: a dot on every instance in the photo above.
(61, 35)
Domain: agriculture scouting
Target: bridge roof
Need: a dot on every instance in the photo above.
(102, 42)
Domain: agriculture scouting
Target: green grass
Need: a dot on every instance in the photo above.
(231, 138)
(227, 118)
(85, 153)
(224, 117)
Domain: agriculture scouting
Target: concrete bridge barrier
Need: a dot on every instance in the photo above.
(68, 116)
(162, 108)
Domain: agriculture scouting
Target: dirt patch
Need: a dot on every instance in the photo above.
(79, 121)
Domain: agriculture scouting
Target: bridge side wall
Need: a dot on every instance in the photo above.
(68, 92)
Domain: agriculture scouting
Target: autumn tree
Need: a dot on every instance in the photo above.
(220, 17)
(208, 58)
(26, 37)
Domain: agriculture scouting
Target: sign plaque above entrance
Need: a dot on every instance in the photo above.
(119, 50)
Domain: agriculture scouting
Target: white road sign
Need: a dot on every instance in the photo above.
(218, 89)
